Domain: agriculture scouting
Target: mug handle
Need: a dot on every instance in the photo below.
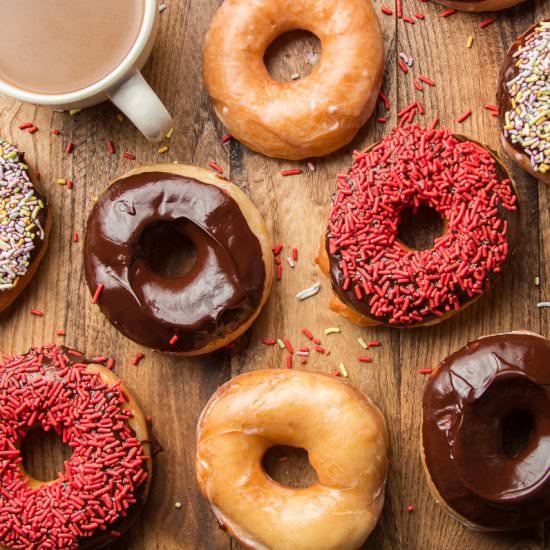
(137, 100)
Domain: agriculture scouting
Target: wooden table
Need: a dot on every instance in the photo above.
(174, 391)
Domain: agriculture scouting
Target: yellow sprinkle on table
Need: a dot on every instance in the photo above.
(73, 112)
(169, 133)
(61, 181)
(470, 41)
(163, 150)
(343, 370)
(332, 330)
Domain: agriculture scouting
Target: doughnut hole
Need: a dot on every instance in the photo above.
(44, 454)
(168, 251)
(517, 429)
(289, 466)
(292, 54)
(419, 229)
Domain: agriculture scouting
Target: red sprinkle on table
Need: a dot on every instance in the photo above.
(216, 167)
(365, 359)
(227, 138)
(60, 332)
(410, 167)
(56, 132)
(486, 22)
(105, 475)
(426, 80)
(425, 371)
(37, 313)
(464, 116)
(288, 345)
(279, 275)
(307, 334)
(97, 293)
(32, 130)
(448, 12)
(137, 359)
(25, 125)
(269, 342)
(277, 249)
(111, 147)
(129, 156)
(289, 361)
(291, 172)
(69, 148)
(295, 254)
(387, 11)
(75, 237)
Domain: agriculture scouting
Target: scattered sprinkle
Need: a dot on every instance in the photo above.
(448, 12)
(364, 359)
(343, 370)
(362, 343)
(111, 147)
(97, 293)
(425, 371)
(129, 156)
(173, 340)
(543, 304)
(486, 22)
(216, 167)
(309, 292)
(70, 147)
(470, 41)
(163, 149)
(137, 359)
(464, 116)
(332, 330)
(291, 172)
(537, 281)
(74, 112)
(37, 313)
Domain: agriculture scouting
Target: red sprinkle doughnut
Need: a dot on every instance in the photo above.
(107, 473)
(377, 275)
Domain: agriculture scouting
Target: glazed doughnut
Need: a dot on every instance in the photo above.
(25, 225)
(379, 280)
(480, 5)
(347, 443)
(495, 387)
(309, 117)
(210, 305)
(106, 481)
(524, 103)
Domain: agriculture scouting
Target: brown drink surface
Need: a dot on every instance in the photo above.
(61, 46)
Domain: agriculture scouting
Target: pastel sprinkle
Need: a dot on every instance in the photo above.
(309, 292)
(332, 330)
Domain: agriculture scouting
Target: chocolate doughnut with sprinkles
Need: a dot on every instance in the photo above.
(524, 101)
(377, 279)
(24, 225)
(106, 481)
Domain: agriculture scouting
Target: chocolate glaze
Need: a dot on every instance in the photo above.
(508, 72)
(222, 290)
(466, 402)
(349, 298)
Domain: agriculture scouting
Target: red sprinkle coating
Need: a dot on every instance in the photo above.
(410, 167)
(106, 473)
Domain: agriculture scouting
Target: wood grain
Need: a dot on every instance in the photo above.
(174, 391)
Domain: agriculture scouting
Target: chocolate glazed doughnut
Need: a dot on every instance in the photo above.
(471, 403)
(224, 291)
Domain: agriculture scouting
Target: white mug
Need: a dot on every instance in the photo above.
(124, 86)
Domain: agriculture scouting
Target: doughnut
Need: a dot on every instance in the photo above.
(375, 277)
(25, 225)
(347, 444)
(309, 117)
(524, 101)
(494, 387)
(105, 482)
(209, 306)
(480, 5)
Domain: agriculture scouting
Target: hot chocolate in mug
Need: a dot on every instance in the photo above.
(70, 54)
